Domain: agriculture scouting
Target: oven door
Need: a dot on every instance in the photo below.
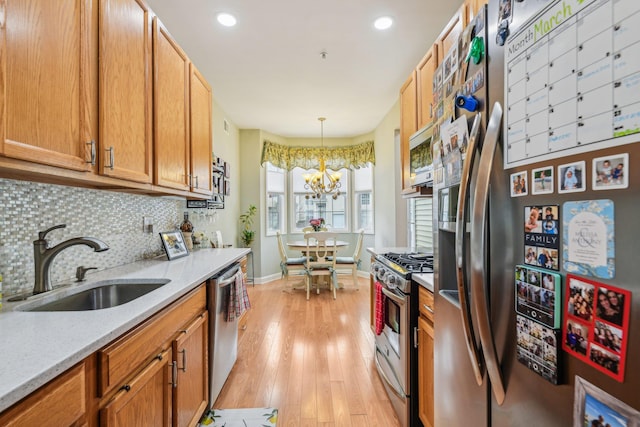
(392, 352)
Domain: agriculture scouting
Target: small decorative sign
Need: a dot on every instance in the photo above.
(596, 324)
(588, 238)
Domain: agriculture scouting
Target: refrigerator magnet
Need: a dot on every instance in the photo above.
(595, 407)
(541, 236)
(596, 328)
(542, 180)
(588, 238)
(538, 295)
(611, 172)
(519, 185)
(571, 177)
(537, 348)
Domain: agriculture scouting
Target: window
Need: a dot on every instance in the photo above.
(334, 212)
(363, 197)
(275, 184)
(420, 223)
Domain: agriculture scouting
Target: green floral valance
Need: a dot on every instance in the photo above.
(287, 157)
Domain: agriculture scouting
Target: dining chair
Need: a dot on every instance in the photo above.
(288, 263)
(351, 263)
(321, 246)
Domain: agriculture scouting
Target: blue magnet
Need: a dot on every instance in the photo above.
(469, 103)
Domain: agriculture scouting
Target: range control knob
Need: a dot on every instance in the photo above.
(391, 281)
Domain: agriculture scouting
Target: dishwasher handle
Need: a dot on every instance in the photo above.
(227, 277)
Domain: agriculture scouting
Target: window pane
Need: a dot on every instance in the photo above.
(364, 212)
(275, 179)
(275, 211)
(334, 212)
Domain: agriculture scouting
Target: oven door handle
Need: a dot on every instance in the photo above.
(461, 253)
(397, 392)
(393, 296)
(479, 243)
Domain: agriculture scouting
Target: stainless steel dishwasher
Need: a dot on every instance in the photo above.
(223, 335)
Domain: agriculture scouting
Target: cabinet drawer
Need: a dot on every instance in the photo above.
(45, 406)
(120, 359)
(425, 300)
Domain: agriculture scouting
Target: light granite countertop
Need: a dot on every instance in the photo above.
(38, 346)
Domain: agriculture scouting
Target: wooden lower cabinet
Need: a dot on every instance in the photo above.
(190, 352)
(154, 375)
(43, 407)
(425, 357)
(146, 399)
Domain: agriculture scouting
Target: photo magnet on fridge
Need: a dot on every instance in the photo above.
(541, 236)
(538, 295)
(596, 329)
(537, 348)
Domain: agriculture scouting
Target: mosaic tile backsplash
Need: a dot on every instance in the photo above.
(115, 218)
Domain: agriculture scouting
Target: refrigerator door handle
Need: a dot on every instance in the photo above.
(479, 295)
(461, 229)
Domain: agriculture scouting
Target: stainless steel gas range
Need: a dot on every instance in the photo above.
(396, 328)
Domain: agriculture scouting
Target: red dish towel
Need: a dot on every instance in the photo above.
(379, 315)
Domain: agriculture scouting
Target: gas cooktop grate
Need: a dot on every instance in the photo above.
(413, 262)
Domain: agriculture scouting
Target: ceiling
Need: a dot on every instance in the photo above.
(268, 73)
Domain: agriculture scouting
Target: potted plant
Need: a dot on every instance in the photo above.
(246, 219)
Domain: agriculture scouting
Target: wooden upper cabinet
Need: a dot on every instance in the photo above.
(451, 32)
(473, 6)
(201, 133)
(425, 71)
(171, 111)
(48, 80)
(408, 126)
(125, 90)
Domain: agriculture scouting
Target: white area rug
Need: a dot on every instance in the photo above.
(242, 417)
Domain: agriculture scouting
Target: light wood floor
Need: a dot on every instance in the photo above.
(313, 360)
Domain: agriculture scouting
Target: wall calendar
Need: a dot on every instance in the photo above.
(572, 80)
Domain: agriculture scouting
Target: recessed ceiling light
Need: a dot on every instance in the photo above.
(383, 22)
(226, 19)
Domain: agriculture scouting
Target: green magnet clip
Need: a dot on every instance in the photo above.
(476, 50)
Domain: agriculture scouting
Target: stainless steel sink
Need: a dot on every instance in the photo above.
(106, 294)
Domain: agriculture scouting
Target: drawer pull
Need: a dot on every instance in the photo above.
(126, 387)
(174, 374)
(111, 159)
(429, 309)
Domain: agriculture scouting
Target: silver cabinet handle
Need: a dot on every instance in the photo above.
(111, 158)
(479, 253)
(429, 309)
(460, 249)
(197, 186)
(92, 145)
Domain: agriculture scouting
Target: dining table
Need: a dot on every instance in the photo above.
(301, 245)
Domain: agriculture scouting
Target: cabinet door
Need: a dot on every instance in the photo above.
(408, 126)
(201, 134)
(425, 71)
(171, 110)
(191, 356)
(449, 35)
(48, 81)
(125, 90)
(145, 400)
(425, 372)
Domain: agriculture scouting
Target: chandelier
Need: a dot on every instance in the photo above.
(322, 182)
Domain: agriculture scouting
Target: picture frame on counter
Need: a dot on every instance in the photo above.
(173, 244)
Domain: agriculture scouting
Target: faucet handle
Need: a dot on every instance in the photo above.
(81, 271)
(43, 234)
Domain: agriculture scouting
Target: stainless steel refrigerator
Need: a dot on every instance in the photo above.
(478, 217)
